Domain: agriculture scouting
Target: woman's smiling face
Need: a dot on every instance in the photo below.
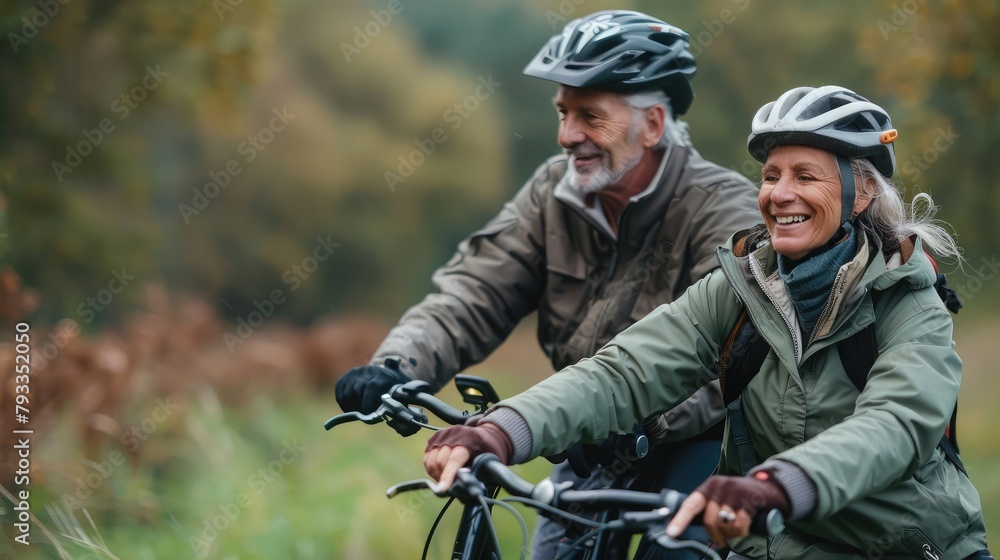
(800, 199)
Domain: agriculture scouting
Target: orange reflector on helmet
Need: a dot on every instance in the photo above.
(888, 136)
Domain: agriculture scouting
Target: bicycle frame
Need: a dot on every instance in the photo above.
(472, 541)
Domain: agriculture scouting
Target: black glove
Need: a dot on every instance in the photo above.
(483, 438)
(361, 388)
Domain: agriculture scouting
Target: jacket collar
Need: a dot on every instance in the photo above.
(754, 278)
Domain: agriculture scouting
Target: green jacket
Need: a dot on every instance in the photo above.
(884, 489)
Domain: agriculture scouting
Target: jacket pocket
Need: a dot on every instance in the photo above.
(563, 259)
(471, 244)
(941, 515)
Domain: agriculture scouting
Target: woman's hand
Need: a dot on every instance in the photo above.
(453, 448)
(442, 463)
(728, 504)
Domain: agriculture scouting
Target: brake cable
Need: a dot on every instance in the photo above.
(520, 521)
(489, 522)
(427, 543)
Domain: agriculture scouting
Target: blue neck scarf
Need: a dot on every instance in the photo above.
(809, 280)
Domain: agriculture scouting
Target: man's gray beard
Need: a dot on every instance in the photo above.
(599, 179)
(591, 182)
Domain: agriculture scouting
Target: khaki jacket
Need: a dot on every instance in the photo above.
(547, 252)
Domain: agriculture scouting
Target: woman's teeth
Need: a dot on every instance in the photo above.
(790, 219)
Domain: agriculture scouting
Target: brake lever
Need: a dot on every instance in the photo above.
(411, 485)
(402, 418)
(373, 418)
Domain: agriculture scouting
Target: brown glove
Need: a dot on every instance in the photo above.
(748, 493)
(482, 438)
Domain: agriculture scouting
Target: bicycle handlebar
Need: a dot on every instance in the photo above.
(399, 408)
(487, 469)
(418, 393)
(402, 409)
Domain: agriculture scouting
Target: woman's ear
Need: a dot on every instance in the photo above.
(863, 197)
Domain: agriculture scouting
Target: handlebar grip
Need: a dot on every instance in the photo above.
(441, 409)
(418, 393)
(596, 500)
(489, 469)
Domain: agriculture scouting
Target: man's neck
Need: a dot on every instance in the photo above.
(615, 198)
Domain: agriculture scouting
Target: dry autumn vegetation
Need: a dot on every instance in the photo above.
(174, 347)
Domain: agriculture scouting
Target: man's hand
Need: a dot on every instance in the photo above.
(361, 388)
(729, 504)
(453, 448)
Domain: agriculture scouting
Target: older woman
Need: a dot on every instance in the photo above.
(858, 471)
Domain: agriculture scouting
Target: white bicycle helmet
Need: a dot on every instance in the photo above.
(831, 118)
(623, 51)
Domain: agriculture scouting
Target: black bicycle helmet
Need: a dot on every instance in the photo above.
(623, 51)
(830, 117)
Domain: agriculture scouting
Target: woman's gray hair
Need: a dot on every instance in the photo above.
(892, 220)
(675, 131)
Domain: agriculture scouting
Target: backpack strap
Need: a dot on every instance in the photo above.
(857, 354)
(741, 436)
(949, 443)
(947, 295)
(950, 447)
(744, 350)
(741, 357)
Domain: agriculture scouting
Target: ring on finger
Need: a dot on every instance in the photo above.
(726, 516)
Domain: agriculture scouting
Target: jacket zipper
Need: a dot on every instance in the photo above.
(622, 222)
(828, 307)
(791, 330)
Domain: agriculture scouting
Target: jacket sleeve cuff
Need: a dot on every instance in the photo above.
(399, 363)
(799, 488)
(514, 425)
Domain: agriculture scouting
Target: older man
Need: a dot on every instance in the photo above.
(625, 220)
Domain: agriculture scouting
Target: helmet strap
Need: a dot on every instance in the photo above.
(848, 190)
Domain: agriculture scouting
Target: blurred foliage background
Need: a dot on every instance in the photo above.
(167, 166)
(365, 85)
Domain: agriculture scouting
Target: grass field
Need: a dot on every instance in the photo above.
(264, 480)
